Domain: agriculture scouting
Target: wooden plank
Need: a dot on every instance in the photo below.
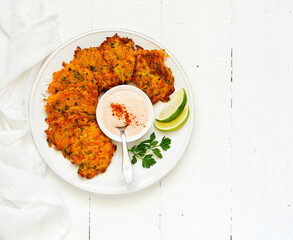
(142, 16)
(262, 120)
(136, 215)
(130, 216)
(195, 197)
(74, 17)
(72, 21)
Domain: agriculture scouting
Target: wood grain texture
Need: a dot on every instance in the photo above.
(196, 194)
(142, 16)
(74, 16)
(131, 216)
(262, 116)
(239, 161)
(195, 197)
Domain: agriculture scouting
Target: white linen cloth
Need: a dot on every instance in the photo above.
(31, 208)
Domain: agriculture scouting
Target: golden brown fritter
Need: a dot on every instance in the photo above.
(62, 134)
(73, 76)
(97, 151)
(72, 104)
(84, 145)
(72, 122)
(152, 75)
(93, 59)
(111, 64)
(119, 53)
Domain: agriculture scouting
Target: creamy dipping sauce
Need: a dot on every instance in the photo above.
(125, 107)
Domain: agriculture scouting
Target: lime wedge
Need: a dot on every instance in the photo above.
(174, 107)
(175, 124)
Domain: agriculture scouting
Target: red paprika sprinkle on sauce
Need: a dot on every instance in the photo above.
(120, 111)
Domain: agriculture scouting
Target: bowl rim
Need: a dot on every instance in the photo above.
(119, 88)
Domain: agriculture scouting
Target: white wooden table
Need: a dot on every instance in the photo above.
(235, 179)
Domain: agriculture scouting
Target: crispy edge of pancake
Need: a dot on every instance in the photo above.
(152, 75)
(73, 76)
(119, 52)
(98, 150)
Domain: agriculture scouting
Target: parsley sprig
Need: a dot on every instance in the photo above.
(143, 149)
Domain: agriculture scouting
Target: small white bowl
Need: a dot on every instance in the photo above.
(138, 135)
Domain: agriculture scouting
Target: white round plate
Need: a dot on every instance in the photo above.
(112, 181)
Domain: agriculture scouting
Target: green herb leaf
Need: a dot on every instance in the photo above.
(146, 150)
(153, 137)
(132, 149)
(141, 147)
(165, 143)
(142, 153)
(90, 114)
(133, 160)
(148, 161)
(157, 152)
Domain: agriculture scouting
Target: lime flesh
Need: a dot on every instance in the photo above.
(174, 107)
(175, 124)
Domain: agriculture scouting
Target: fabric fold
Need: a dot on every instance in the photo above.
(31, 207)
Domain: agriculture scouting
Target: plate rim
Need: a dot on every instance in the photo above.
(125, 31)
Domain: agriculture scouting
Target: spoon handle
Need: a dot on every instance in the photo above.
(126, 164)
